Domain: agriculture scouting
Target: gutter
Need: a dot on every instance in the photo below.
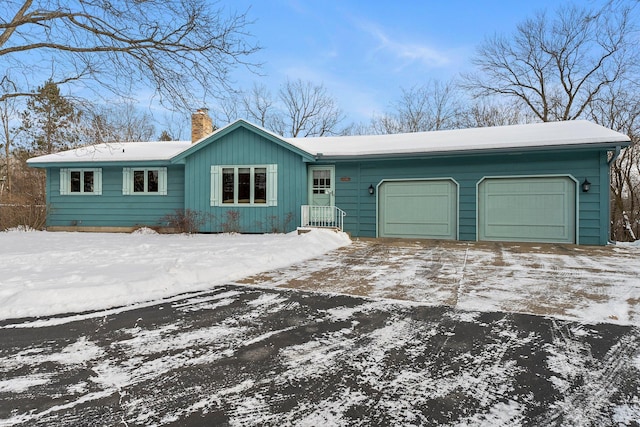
(462, 152)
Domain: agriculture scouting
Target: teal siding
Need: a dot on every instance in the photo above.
(354, 177)
(238, 148)
(112, 209)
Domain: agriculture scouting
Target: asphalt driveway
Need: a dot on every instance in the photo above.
(240, 356)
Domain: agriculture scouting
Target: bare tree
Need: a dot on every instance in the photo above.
(165, 136)
(432, 106)
(259, 106)
(8, 117)
(309, 110)
(619, 108)
(116, 122)
(557, 66)
(182, 48)
(487, 114)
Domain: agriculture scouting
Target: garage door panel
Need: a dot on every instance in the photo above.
(527, 209)
(521, 209)
(424, 209)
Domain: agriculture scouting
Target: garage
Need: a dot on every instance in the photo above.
(527, 209)
(418, 208)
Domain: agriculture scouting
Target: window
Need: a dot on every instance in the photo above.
(244, 185)
(321, 181)
(80, 181)
(144, 181)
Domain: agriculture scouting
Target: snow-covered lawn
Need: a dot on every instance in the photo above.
(43, 274)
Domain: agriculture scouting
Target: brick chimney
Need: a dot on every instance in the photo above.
(201, 124)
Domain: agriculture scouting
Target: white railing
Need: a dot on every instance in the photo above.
(323, 216)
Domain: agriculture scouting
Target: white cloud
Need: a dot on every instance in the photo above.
(406, 51)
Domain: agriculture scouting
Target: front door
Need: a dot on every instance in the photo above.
(321, 193)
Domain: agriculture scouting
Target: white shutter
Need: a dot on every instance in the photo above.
(162, 181)
(97, 182)
(272, 185)
(216, 185)
(65, 182)
(126, 181)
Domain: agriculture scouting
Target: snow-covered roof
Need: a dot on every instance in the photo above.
(549, 134)
(528, 136)
(117, 152)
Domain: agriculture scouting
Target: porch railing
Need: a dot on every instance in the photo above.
(323, 216)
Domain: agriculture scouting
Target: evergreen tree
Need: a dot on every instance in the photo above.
(49, 121)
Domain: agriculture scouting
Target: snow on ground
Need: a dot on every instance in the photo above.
(44, 273)
(243, 355)
(280, 357)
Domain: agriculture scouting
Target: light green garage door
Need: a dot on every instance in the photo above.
(527, 209)
(424, 209)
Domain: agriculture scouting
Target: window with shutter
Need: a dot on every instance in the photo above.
(252, 185)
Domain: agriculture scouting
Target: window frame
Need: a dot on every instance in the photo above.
(218, 182)
(128, 181)
(65, 182)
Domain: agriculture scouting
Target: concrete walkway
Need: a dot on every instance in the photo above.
(585, 283)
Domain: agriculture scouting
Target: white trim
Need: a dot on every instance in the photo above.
(126, 181)
(128, 184)
(271, 183)
(216, 185)
(576, 198)
(65, 182)
(445, 178)
(332, 195)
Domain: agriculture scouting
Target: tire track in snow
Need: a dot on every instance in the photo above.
(587, 384)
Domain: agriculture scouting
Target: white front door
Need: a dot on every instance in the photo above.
(321, 192)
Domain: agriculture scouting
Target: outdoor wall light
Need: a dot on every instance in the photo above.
(371, 189)
(586, 185)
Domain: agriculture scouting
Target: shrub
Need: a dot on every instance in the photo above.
(275, 226)
(185, 221)
(232, 224)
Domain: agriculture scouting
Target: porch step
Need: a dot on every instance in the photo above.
(303, 230)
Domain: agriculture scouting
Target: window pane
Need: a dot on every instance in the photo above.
(244, 185)
(75, 181)
(227, 185)
(138, 181)
(260, 186)
(88, 181)
(152, 181)
(321, 181)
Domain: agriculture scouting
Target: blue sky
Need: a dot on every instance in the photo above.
(365, 51)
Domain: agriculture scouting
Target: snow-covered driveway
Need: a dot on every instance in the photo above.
(242, 356)
(583, 283)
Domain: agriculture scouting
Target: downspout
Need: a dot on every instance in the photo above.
(609, 163)
(615, 156)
